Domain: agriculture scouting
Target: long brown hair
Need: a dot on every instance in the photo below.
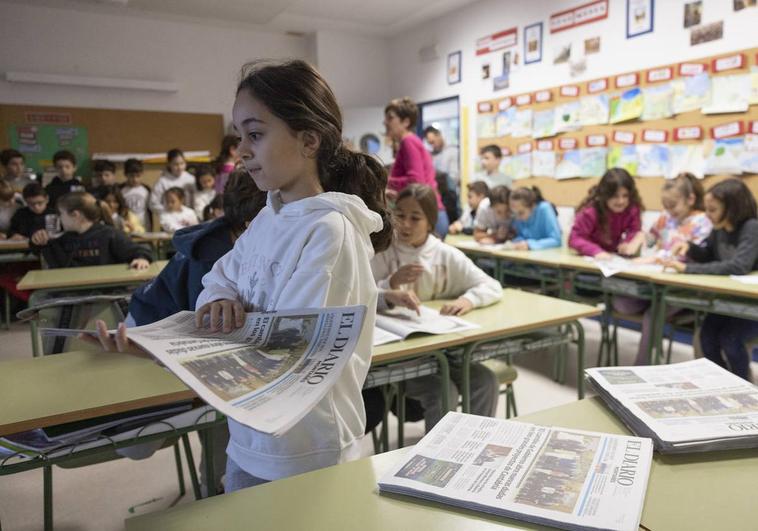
(598, 195)
(426, 199)
(687, 184)
(295, 92)
(92, 209)
(739, 203)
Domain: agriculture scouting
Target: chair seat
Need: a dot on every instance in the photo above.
(506, 374)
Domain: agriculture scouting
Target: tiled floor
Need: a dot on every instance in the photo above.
(101, 497)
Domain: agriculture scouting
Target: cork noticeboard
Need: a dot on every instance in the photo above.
(570, 192)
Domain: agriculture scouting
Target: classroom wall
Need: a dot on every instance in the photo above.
(459, 30)
(203, 59)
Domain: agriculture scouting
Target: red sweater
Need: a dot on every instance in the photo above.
(413, 164)
(589, 239)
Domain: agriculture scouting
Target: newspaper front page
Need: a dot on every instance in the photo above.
(398, 323)
(681, 404)
(269, 373)
(565, 478)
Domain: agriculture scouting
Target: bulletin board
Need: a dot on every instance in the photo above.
(571, 191)
(114, 131)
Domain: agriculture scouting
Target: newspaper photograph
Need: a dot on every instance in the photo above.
(566, 478)
(683, 402)
(399, 323)
(269, 373)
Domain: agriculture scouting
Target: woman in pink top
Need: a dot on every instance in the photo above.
(413, 163)
(609, 219)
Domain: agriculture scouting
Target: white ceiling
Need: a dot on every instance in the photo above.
(377, 17)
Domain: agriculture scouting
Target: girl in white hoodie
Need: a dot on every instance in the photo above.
(418, 261)
(175, 175)
(310, 247)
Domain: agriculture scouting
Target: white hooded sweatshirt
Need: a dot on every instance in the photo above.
(186, 181)
(311, 253)
(448, 273)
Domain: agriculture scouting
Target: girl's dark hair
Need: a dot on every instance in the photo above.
(479, 187)
(133, 166)
(531, 197)
(295, 92)
(687, 184)
(228, 143)
(242, 199)
(739, 203)
(500, 195)
(426, 198)
(92, 209)
(404, 108)
(609, 184)
(217, 203)
(171, 154)
(202, 170)
(178, 191)
(115, 191)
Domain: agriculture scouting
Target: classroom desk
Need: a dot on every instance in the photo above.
(694, 492)
(69, 280)
(13, 246)
(159, 241)
(50, 390)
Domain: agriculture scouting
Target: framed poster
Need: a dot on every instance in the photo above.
(639, 17)
(454, 68)
(533, 43)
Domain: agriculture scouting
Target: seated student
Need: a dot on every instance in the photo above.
(534, 220)
(418, 261)
(135, 192)
(104, 177)
(204, 182)
(32, 218)
(175, 175)
(15, 169)
(493, 223)
(226, 161)
(730, 249)
(681, 221)
(88, 238)
(9, 204)
(66, 180)
(478, 193)
(491, 156)
(175, 215)
(123, 218)
(214, 209)
(608, 220)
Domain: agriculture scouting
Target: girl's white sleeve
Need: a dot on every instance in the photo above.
(381, 267)
(221, 281)
(468, 281)
(156, 197)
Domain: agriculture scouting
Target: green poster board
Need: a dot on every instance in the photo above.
(38, 143)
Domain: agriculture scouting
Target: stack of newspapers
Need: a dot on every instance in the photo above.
(570, 479)
(694, 406)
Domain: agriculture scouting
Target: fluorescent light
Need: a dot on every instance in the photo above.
(97, 82)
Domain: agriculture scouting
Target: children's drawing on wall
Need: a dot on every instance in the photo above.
(591, 45)
(502, 81)
(533, 43)
(693, 13)
(561, 54)
(639, 17)
(707, 32)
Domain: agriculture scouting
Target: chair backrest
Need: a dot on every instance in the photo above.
(75, 313)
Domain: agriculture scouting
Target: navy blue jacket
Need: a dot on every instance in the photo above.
(179, 284)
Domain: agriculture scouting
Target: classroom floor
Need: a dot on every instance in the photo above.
(101, 497)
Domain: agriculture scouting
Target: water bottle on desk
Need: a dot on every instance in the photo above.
(52, 225)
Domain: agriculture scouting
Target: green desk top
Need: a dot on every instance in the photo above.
(7, 246)
(78, 277)
(711, 283)
(699, 492)
(48, 390)
(518, 312)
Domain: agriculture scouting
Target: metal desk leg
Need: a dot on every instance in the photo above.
(658, 327)
(466, 377)
(400, 414)
(208, 455)
(579, 358)
(47, 489)
(658, 319)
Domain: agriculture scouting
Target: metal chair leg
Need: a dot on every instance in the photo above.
(179, 471)
(47, 489)
(193, 472)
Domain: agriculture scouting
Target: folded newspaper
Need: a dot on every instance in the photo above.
(693, 406)
(269, 373)
(559, 477)
(399, 323)
(619, 264)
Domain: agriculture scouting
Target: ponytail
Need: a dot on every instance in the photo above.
(92, 209)
(106, 214)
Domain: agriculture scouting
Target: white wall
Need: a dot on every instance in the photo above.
(203, 59)
(459, 31)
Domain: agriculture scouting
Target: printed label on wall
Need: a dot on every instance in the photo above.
(525, 147)
(543, 95)
(596, 140)
(692, 69)
(545, 145)
(728, 129)
(598, 85)
(659, 74)
(523, 99)
(692, 132)
(655, 135)
(504, 103)
(570, 91)
(623, 137)
(729, 63)
(627, 80)
(567, 143)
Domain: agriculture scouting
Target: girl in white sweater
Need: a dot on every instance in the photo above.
(175, 175)
(418, 261)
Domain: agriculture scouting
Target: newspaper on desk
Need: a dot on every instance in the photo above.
(559, 477)
(475, 245)
(269, 373)
(399, 323)
(619, 264)
(693, 406)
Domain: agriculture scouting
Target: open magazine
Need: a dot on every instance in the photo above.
(269, 373)
(559, 477)
(399, 323)
(693, 406)
(619, 264)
